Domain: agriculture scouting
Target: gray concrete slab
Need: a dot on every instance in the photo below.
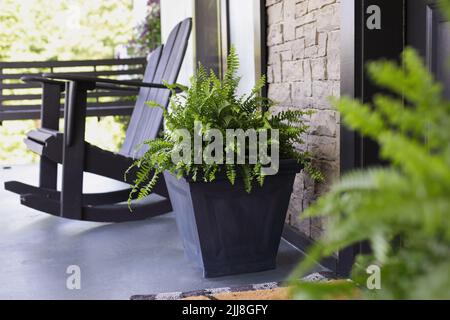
(116, 260)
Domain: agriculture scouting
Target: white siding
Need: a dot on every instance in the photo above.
(172, 12)
(243, 38)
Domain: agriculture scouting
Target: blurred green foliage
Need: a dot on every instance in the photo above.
(147, 34)
(106, 132)
(12, 147)
(63, 29)
(402, 210)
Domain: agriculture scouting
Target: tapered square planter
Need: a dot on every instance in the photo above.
(226, 230)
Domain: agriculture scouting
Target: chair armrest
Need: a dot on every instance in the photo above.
(112, 87)
(43, 80)
(75, 108)
(96, 80)
(105, 86)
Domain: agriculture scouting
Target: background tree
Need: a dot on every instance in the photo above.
(37, 30)
(147, 34)
(63, 30)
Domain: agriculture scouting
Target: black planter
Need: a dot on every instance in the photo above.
(226, 230)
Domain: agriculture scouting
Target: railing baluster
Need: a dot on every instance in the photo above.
(95, 72)
(1, 95)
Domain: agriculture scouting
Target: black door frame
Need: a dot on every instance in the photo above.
(213, 54)
(358, 46)
(426, 18)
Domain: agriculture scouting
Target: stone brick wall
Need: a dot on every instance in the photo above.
(303, 71)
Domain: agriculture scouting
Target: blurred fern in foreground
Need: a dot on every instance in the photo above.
(409, 200)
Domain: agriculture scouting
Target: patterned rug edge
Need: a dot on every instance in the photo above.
(317, 276)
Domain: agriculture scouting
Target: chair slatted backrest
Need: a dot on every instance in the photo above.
(164, 65)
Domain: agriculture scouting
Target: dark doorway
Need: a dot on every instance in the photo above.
(429, 33)
(359, 45)
(416, 23)
(211, 34)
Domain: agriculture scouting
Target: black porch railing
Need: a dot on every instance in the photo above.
(19, 100)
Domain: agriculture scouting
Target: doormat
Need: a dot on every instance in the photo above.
(262, 291)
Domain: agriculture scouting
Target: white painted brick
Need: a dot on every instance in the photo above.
(289, 9)
(328, 18)
(324, 123)
(323, 42)
(289, 30)
(301, 9)
(292, 71)
(304, 70)
(275, 13)
(319, 69)
(318, 4)
(275, 34)
(298, 49)
(310, 33)
(311, 52)
(280, 93)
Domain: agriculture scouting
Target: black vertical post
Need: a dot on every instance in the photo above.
(208, 24)
(51, 97)
(362, 42)
(73, 150)
(261, 43)
(224, 34)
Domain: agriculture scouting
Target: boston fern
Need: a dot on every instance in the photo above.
(216, 105)
(402, 210)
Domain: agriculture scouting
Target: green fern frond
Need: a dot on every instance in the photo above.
(231, 173)
(215, 103)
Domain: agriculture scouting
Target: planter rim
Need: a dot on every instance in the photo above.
(287, 166)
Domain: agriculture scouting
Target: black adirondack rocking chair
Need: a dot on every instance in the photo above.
(77, 156)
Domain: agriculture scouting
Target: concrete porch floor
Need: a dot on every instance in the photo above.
(116, 260)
